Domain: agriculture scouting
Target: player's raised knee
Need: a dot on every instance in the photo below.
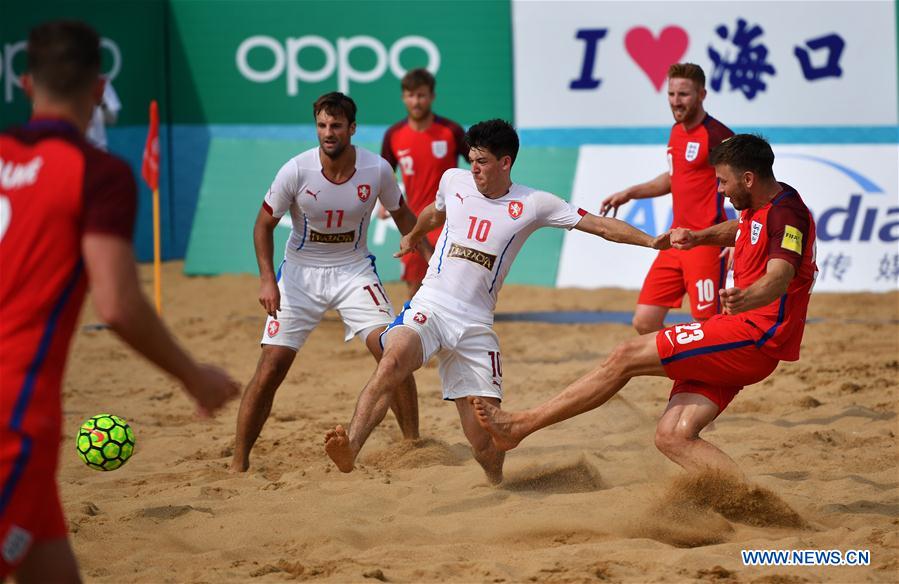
(671, 440)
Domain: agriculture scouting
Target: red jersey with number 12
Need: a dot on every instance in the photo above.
(424, 156)
(782, 229)
(694, 186)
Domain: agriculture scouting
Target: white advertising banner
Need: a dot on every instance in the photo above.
(800, 63)
(852, 191)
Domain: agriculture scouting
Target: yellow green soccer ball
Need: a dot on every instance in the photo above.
(105, 442)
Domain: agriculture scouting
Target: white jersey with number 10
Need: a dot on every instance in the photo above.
(480, 240)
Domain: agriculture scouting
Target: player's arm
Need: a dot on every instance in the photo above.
(720, 235)
(660, 185)
(762, 292)
(264, 244)
(429, 220)
(619, 231)
(120, 303)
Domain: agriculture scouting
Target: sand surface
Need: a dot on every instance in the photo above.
(589, 500)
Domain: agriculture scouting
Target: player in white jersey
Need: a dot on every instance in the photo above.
(486, 219)
(329, 192)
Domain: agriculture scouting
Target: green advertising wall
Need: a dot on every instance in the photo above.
(187, 55)
(296, 51)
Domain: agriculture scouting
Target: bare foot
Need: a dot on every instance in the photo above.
(239, 466)
(337, 445)
(500, 424)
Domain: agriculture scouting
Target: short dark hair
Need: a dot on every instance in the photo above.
(416, 78)
(496, 136)
(745, 152)
(334, 104)
(690, 71)
(64, 57)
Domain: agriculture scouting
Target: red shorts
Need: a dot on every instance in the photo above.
(414, 265)
(30, 510)
(715, 358)
(697, 272)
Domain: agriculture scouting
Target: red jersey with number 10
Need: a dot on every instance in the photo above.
(782, 229)
(54, 188)
(694, 186)
(424, 156)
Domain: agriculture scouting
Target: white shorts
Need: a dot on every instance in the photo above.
(307, 292)
(468, 352)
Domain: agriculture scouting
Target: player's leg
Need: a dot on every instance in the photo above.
(662, 290)
(677, 434)
(301, 310)
(629, 359)
(471, 368)
(482, 447)
(256, 402)
(649, 318)
(366, 311)
(403, 354)
(405, 396)
(49, 561)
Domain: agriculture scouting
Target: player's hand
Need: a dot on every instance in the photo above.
(383, 213)
(212, 388)
(407, 245)
(683, 238)
(270, 297)
(728, 252)
(613, 202)
(662, 242)
(733, 300)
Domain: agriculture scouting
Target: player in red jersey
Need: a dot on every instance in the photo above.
(66, 218)
(424, 146)
(762, 322)
(697, 204)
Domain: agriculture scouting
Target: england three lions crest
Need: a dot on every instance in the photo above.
(755, 232)
(516, 208)
(692, 151)
(364, 192)
(439, 148)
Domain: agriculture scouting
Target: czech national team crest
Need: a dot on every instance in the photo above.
(364, 192)
(273, 328)
(516, 208)
(692, 151)
(439, 148)
(420, 318)
(755, 233)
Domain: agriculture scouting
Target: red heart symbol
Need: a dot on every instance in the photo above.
(655, 55)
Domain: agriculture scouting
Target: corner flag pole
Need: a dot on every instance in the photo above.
(150, 172)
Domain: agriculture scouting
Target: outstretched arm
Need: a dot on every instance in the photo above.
(429, 220)
(120, 303)
(660, 185)
(619, 231)
(720, 235)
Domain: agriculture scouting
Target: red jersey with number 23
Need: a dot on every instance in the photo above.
(782, 229)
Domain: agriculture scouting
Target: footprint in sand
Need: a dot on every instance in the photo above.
(166, 512)
(419, 454)
(575, 477)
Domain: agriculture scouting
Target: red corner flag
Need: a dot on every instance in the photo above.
(150, 169)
